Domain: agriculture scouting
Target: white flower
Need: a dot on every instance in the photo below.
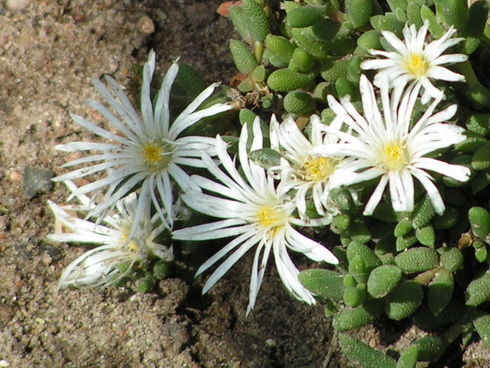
(102, 265)
(146, 152)
(255, 214)
(305, 173)
(392, 148)
(415, 61)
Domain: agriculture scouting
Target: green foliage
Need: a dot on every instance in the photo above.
(348, 319)
(452, 12)
(242, 56)
(285, 80)
(324, 283)
(480, 222)
(266, 157)
(299, 103)
(359, 352)
(404, 300)
(478, 291)
(417, 260)
(359, 12)
(304, 16)
(440, 291)
(430, 348)
(482, 326)
(382, 280)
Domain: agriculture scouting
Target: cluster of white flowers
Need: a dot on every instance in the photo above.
(261, 208)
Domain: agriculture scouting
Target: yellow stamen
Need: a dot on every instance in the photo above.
(272, 218)
(417, 65)
(156, 156)
(395, 156)
(317, 169)
(133, 246)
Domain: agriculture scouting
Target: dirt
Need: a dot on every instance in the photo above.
(49, 52)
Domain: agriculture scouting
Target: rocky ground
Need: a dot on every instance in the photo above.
(49, 52)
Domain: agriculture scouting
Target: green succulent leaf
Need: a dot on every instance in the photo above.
(422, 213)
(301, 61)
(382, 280)
(404, 300)
(368, 257)
(451, 259)
(417, 260)
(359, 12)
(430, 348)
(354, 296)
(242, 56)
(408, 359)
(434, 27)
(359, 352)
(286, 80)
(324, 283)
(299, 103)
(266, 157)
(440, 291)
(482, 326)
(452, 12)
(351, 318)
(478, 290)
(480, 222)
(304, 16)
(403, 227)
(447, 220)
(481, 158)
(278, 50)
(258, 23)
(426, 235)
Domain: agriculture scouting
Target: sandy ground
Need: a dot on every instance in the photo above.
(49, 52)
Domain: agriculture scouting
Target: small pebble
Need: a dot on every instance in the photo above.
(37, 180)
(17, 4)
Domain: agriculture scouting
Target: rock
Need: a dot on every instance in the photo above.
(17, 4)
(37, 180)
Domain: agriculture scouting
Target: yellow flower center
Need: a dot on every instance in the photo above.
(317, 169)
(157, 157)
(133, 246)
(395, 156)
(272, 218)
(417, 65)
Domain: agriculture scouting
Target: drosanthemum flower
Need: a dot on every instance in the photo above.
(391, 147)
(103, 265)
(146, 152)
(256, 214)
(415, 61)
(305, 173)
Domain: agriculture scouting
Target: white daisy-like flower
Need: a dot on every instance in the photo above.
(147, 151)
(256, 214)
(416, 61)
(305, 173)
(103, 265)
(390, 146)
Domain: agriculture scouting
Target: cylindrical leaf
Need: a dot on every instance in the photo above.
(298, 103)
(480, 222)
(404, 300)
(364, 354)
(359, 12)
(440, 291)
(304, 16)
(285, 80)
(478, 290)
(417, 260)
(382, 280)
(242, 56)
